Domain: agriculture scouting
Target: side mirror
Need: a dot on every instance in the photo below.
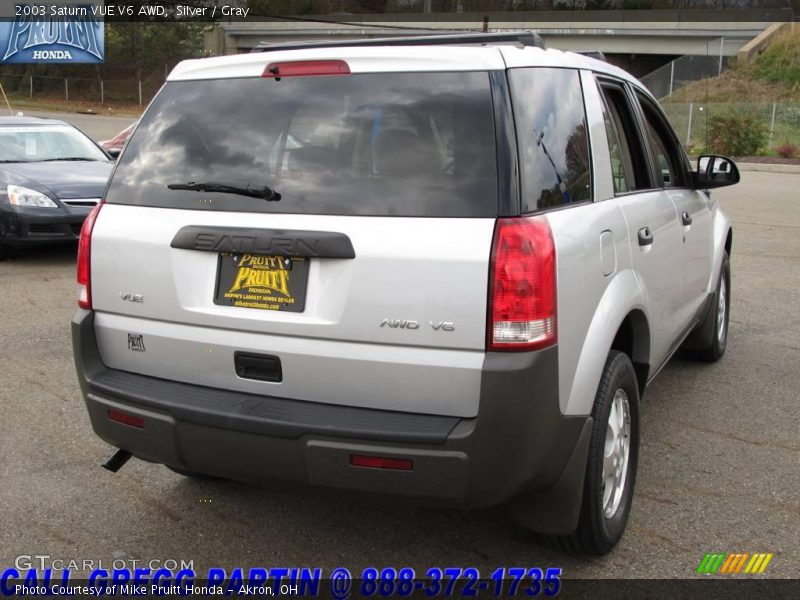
(114, 153)
(714, 171)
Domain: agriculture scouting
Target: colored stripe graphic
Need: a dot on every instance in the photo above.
(711, 563)
(734, 563)
(730, 564)
(758, 563)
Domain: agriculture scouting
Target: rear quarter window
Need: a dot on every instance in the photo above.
(385, 144)
(551, 136)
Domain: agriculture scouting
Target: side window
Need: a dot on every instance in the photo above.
(667, 153)
(628, 158)
(621, 164)
(551, 136)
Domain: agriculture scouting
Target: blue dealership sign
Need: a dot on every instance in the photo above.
(50, 39)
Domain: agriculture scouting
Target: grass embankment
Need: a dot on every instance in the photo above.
(22, 103)
(773, 77)
(762, 98)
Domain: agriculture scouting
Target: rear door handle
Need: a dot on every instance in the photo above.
(261, 367)
(686, 218)
(645, 236)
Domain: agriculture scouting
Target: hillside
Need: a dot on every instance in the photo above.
(774, 76)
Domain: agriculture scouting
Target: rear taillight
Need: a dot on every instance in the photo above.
(522, 285)
(85, 260)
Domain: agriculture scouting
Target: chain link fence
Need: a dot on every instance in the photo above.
(665, 80)
(690, 120)
(135, 91)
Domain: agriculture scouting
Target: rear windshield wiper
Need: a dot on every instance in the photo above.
(68, 158)
(263, 192)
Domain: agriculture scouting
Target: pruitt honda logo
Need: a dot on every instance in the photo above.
(43, 37)
(734, 564)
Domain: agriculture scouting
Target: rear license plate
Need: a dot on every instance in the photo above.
(265, 282)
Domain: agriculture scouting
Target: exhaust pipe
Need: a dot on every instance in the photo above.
(117, 460)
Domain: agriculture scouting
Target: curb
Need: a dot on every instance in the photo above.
(769, 168)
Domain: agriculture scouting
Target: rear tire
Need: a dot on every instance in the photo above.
(611, 464)
(717, 319)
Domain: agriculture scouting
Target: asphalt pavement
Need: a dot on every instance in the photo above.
(99, 127)
(719, 468)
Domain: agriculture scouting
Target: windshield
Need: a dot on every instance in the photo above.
(46, 142)
(404, 144)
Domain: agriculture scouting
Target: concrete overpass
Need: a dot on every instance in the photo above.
(639, 41)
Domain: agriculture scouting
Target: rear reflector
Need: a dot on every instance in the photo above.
(381, 462)
(522, 295)
(306, 68)
(125, 419)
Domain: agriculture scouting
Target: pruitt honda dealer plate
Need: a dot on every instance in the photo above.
(265, 282)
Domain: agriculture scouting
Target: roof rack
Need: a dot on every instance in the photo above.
(525, 38)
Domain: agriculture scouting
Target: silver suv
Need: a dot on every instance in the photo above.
(442, 268)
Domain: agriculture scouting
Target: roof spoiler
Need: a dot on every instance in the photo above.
(524, 38)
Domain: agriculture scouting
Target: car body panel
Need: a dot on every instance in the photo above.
(455, 460)
(410, 378)
(584, 290)
(622, 296)
(64, 179)
(720, 230)
(359, 60)
(398, 261)
(603, 187)
(697, 248)
(658, 266)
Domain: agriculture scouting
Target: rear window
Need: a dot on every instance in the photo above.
(388, 144)
(552, 137)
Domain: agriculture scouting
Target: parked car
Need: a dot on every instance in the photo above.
(114, 146)
(51, 176)
(453, 284)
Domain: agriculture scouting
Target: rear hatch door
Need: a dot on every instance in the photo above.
(341, 224)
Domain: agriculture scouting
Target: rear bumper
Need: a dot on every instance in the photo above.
(519, 442)
(31, 226)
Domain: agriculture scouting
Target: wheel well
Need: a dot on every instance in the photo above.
(633, 338)
(729, 242)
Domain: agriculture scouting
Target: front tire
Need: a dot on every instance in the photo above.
(611, 465)
(716, 321)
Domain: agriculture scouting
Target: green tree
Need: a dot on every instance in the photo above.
(145, 48)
